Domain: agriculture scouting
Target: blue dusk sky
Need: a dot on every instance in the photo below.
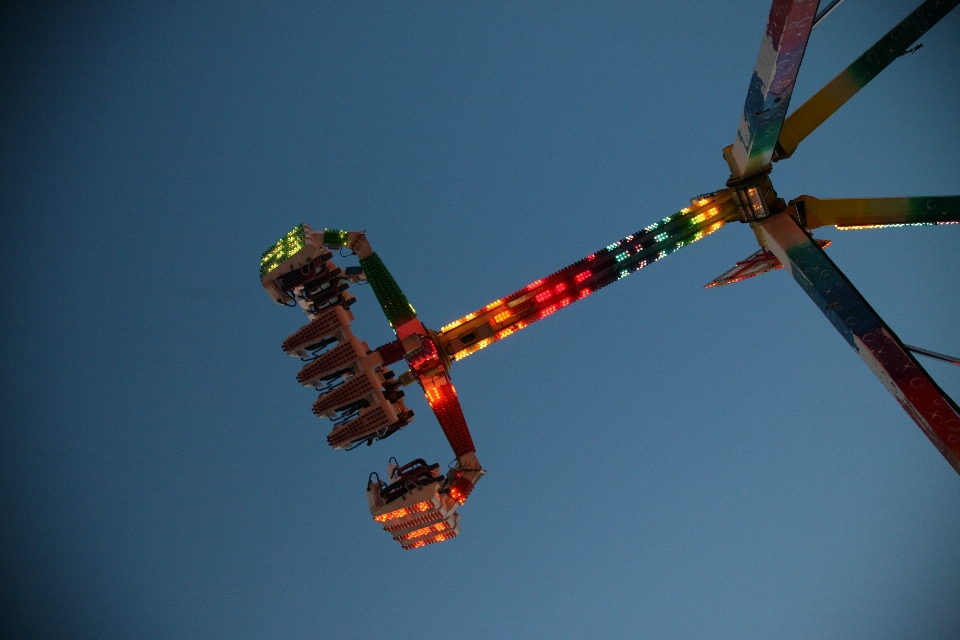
(664, 461)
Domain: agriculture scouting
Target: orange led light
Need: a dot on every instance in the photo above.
(452, 325)
(419, 533)
(493, 305)
(433, 395)
(399, 513)
(439, 537)
(425, 505)
(503, 315)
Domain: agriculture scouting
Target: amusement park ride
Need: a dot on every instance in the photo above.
(416, 503)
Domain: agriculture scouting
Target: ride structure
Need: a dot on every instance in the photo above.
(416, 504)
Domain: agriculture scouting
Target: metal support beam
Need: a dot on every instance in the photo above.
(768, 97)
(934, 411)
(876, 212)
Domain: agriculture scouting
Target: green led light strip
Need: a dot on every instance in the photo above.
(394, 304)
(285, 247)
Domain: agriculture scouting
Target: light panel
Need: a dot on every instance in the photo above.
(286, 247)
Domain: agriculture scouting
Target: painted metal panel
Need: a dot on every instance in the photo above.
(781, 52)
(935, 413)
(866, 213)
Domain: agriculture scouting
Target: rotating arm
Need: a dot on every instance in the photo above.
(824, 103)
(935, 412)
(861, 213)
(781, 52)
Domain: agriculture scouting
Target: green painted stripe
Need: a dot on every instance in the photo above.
(936, 209)
(894, 44)
(394, 304)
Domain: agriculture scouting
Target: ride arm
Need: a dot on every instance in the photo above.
(865, 213)
(781, 52)
(824, 103)
(541, 298)
(424, 360)
(935, 412)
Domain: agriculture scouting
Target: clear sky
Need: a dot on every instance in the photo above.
(664, 461)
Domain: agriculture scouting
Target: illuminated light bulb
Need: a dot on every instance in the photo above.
(452, 325)
(503, 315)
(534, 284)
(543, 296)
(894, 225)
(611, 247)
(560, 287)
(425, 531)
(580, 277)
(565, 302)
(584, 292)
(399, 513)
(661, 237)
(545, 312)
(419, 533)
(493, 305)
(621, 256)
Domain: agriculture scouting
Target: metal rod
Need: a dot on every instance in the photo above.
(934, 354)
(827, 10)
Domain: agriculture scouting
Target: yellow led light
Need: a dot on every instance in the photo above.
(493, 305)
